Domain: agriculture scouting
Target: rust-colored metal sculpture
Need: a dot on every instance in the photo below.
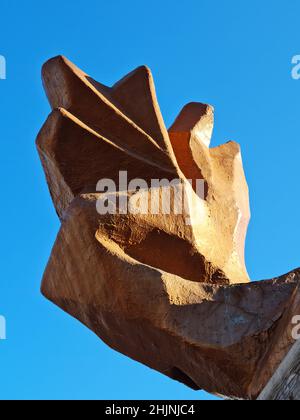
(166, 286)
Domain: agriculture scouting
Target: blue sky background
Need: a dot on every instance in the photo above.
(233, 54)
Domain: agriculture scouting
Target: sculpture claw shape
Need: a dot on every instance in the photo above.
(164, 288)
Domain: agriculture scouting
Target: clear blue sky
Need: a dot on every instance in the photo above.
(233, 54)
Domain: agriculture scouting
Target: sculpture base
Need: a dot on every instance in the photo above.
(285, 383)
